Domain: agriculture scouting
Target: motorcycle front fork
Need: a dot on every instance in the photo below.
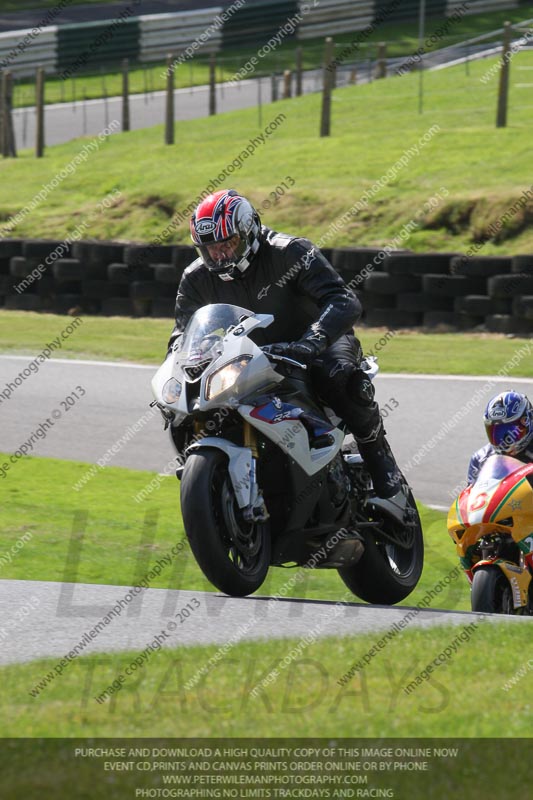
(256, 511)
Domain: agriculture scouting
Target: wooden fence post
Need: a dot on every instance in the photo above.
(274, 86)
(39, 109)
(381, 68)
(212, 87)
(286, 84)
(125, 95)
(12, 147)
(325, 120)
(3, 116)
(299, 70)
(169, 109)
(503, 92)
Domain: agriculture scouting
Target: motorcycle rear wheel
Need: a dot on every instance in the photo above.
(387, 573)
(233, 554)
(491, 592)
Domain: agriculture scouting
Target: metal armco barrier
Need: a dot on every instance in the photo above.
(149, 37)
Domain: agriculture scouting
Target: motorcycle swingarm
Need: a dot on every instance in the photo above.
(404, 539)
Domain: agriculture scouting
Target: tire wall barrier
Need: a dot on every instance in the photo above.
(448, 291)
(63, 49)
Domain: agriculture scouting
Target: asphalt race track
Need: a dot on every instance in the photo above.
(67, 121)
(118, 395)
(65, 612)
(115, 397)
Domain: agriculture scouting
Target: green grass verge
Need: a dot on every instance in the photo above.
(303, 700)
(100, 534)
(329, 175)
(110, 338)
(144, 341)
(116, 546)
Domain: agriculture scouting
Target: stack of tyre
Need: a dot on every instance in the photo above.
(399, 289)
(151, 274)
(109, 278)
(446, 290)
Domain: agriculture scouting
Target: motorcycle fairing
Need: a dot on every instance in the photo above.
(499, 479)
(502, 492)
(311, 500)
(232, 338)
(499, 502)
(518, 578)
(276, 411)
(510, 486)
(292, 437)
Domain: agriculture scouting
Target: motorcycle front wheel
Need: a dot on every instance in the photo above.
(391, 564)
(491, 592)
(233, 554)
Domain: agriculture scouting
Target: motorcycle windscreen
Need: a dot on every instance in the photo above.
(496, 468)
(203, 335)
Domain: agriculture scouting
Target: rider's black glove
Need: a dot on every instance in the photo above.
(304, 350)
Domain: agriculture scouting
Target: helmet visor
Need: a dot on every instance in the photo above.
(507, 436)
(219, 256)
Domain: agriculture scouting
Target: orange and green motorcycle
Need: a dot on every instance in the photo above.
(491, 523)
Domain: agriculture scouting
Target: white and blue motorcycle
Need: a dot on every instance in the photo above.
(268, 476)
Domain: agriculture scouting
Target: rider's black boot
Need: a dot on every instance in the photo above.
(381, 464)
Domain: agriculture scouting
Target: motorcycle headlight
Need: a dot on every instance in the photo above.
(171, 391)
(224, 378)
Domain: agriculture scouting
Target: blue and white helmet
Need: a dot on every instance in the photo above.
(509, 422)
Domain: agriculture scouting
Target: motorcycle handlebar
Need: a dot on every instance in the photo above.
(285, 359)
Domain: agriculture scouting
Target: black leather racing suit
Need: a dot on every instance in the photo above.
(291, 279)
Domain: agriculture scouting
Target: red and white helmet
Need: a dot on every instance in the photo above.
(225, 229)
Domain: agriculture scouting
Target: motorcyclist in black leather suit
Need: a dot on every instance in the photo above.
(249, 265)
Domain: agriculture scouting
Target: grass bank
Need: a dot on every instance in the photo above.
(304, 700)
(100, 534)
(116, 539)
(144, 341)
(408, 178)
